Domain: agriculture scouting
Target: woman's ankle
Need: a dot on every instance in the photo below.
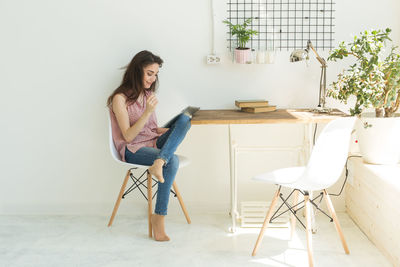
(158, 224)
(159, 161)
(157, 169)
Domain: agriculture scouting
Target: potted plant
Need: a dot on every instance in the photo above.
(374, 81)
(243, 34)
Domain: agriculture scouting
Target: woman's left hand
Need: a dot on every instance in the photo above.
(162, 130)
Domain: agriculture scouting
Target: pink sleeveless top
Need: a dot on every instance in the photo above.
(147, 137)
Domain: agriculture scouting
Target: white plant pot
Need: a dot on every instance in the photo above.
(379, 139)
(243, 56)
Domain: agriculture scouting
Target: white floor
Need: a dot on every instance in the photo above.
(86, 241)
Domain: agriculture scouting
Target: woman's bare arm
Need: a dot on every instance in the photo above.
(119, 108)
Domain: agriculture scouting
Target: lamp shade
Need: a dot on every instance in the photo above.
(299, 55)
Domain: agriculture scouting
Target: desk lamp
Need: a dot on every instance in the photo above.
(302, 54)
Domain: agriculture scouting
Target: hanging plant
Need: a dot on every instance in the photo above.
(242, 33)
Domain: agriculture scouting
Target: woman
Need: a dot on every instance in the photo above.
(136, 135)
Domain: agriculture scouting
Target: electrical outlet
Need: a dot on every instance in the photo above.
(213, 59)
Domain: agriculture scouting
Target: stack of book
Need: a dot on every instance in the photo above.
(254, 106)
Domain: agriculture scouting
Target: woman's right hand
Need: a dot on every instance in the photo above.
(151, 104)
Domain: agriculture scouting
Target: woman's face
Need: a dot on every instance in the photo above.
(150, 73)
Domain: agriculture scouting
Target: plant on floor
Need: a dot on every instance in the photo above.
(241, 31)
(373, 79)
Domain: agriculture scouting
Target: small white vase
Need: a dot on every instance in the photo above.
(243, 56)
(270, 57)
(379, 139)
(261, 56)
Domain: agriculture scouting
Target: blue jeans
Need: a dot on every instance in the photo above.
(166, 147)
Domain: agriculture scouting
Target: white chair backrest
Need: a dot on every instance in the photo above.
(330, 153)
(113, 150)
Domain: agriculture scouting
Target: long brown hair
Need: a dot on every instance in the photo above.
(132, 82)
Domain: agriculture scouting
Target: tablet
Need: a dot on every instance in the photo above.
(189, 111)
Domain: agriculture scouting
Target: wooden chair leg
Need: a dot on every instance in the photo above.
(292, 217)
(266, 221)
(178, 195)
(309, 230)
(336, 221)
(149, 201)
(121, 192)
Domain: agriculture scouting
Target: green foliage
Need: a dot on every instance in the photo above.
(240, 30)
(373, 79)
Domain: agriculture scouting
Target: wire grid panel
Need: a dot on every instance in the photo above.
(284, 24)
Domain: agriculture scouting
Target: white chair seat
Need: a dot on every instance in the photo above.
(285, 176)
(183, 161)
(294, 177)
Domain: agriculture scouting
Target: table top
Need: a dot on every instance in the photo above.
(235, 116)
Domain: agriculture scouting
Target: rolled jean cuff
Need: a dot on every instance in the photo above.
(160, 213)
(164, 159)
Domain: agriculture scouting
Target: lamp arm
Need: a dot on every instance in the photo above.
(322, 82)
(320, 59)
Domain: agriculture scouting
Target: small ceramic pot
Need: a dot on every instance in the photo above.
(243, 56)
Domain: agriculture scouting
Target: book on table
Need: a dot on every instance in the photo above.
(254, 106)
(251, 103)
(259, 109)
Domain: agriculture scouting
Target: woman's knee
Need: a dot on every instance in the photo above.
(183, 118)
(183, 121)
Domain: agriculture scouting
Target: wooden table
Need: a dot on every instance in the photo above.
(229, 117)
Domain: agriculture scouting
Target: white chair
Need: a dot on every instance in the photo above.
(324, 168)
(138, 183)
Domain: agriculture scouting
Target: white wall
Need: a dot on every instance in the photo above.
(59, 60)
